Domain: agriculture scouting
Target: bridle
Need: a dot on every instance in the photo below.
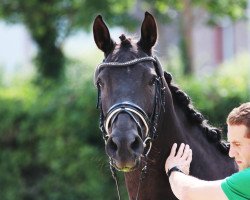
(130, 108)
(134, 111)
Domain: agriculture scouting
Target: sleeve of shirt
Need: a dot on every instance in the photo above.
(237, 186)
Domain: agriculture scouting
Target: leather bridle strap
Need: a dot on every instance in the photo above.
(132, 62)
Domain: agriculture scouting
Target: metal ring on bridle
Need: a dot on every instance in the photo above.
(145, 144)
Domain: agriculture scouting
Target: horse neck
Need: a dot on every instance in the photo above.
(206, 154)
(170, 129)
(180, 128)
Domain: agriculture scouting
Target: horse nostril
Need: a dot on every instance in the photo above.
(135, 145)
(123, 146)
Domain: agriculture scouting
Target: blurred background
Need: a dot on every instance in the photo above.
(50, 145)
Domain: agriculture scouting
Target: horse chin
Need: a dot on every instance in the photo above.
(127, 167)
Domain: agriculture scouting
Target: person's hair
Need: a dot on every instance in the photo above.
(240, 116)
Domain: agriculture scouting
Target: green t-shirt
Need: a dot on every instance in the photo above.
(237, 186)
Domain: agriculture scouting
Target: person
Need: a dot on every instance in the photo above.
(234, 187)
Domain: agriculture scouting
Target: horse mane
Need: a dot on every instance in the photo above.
(213, 134)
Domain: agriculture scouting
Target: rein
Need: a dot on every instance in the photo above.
(135, 112)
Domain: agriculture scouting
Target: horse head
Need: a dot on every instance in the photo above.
(130, 93)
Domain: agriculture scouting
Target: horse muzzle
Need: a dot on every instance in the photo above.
(126, 132)
(125, 150)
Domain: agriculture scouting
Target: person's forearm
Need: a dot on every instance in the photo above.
(180, 184)
(187, 187)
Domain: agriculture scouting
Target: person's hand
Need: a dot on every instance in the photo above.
(181, 159)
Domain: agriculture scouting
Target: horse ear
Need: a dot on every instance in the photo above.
(102, 36)
(148, 33)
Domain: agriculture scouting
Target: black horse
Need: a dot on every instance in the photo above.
(142, 113)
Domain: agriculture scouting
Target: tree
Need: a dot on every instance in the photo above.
(51, 21)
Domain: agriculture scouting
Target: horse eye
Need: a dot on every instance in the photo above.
(99, 83)
(152, 81)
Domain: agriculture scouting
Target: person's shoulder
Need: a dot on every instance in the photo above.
(237, 185)
(245, 172)
(240, 178)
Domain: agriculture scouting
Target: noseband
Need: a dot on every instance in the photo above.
(133, 110)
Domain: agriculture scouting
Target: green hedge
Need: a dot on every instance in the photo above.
(217, 93)
(51, 147)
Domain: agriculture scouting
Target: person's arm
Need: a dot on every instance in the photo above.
(188, 187)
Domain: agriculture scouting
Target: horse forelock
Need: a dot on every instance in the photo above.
(126, 50)
(183, 100)
(125, 42)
